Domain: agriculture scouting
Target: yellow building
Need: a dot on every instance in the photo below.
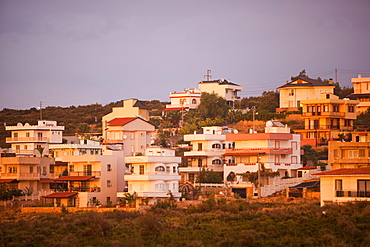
(351, 154)
(304, 88)
(344, 185)
(361, 91)
(326, 118)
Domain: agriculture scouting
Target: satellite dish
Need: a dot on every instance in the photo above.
(124, 137)
(236, 131)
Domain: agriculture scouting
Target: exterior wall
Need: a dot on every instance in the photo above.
(361, 85)
(291, 96)
(154, 175)
(128, 110)
(25, 138)
(106, 182)
(190, 98)
(349, 183)
(349, 154)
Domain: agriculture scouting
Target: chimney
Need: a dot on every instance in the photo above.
(359, 76)
(331, 81)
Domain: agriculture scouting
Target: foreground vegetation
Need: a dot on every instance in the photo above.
(213, 223)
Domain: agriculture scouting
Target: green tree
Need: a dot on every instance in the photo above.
(212, 106)
(209, 177)
(309, 154)
(301, 74)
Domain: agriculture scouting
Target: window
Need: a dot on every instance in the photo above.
(338, 185)
(216, 145)
(363, 188)
(15, 135)
(109, 183)
(87, 170)
(71, 168)
(216, 162)
(200, 146)
(108, 199)
(141, 169)
(277, 159)
(277, 144)
(294, 145)
(174, 169)
(44, 170)
(351, 108)
(168, 169)
(199, 162)
(361, 153)
(25, 147)
(160, 169)
(39, 134)
(191, 177)
(326, 108)
(12, 169)
(109, 167)
(352, 154)
(294, 160)
(194, 102)
(27, 134)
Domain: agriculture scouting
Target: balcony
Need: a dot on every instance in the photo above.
(82, 173)
(323, 114)
(253, 151)
(21, 176)
(352, 193)
(84, 189)
(26, 139)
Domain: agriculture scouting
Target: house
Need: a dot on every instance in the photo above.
(361, 88)
(30, 174)
(188, 99)
(208, 148)
(130, 134)
(130, 108)
(28, 140)
(276, 150)
(344, 185)
(302, 88)
(353, 153)
(223, 88)
(154, 176)
(95, 178)
(325, 118)
(75, 146)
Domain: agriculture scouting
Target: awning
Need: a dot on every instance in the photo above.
(74, 178)
(62, 195)
(11, 180)
(306, 185)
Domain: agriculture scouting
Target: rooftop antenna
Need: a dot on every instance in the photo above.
(208, 75)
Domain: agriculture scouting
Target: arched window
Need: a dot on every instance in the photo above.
(160, 169)
(194, 101)
(216, 162)
(231, 177)
(216, 145)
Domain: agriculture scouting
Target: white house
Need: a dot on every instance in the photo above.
(154, 176)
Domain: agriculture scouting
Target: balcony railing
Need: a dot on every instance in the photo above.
(82, 189)
(21, 176)
(82, 173)
(352, 193)
(26, 139)
(326, 114)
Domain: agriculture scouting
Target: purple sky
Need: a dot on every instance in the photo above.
(79, 52)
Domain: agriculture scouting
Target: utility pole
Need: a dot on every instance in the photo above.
(336, 75)
(40, 110)
(208, 75)
(259, 176)
(254, 113)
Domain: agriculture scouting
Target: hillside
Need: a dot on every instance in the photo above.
(70, 117)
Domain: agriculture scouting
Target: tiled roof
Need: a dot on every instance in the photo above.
(141, 105)
(121, 121)
(221, 82)
(311, 83)
(11, 180)
(74, 178)
(61, 195)
(347, 171)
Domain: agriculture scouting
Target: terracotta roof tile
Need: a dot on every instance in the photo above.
(61, 195)
(347, 171)
(121, 121)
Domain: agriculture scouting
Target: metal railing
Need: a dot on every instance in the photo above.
(352, 193)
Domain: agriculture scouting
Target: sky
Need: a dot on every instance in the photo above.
(82, 52)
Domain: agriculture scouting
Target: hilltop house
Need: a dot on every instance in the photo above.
(361, 87)
(303, 88)
(188, 99)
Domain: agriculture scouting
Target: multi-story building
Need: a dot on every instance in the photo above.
(32, 175)
(208, 148)
(223, 88)
(361, 91)
(344, 185)
(153, 176)
(28, 140)
(130, 108)
(75, 146)
(94, 179)
(353, 153)
(303, 88)
(188, 99)
(326, 118)
(277, 149)
(131, 134)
